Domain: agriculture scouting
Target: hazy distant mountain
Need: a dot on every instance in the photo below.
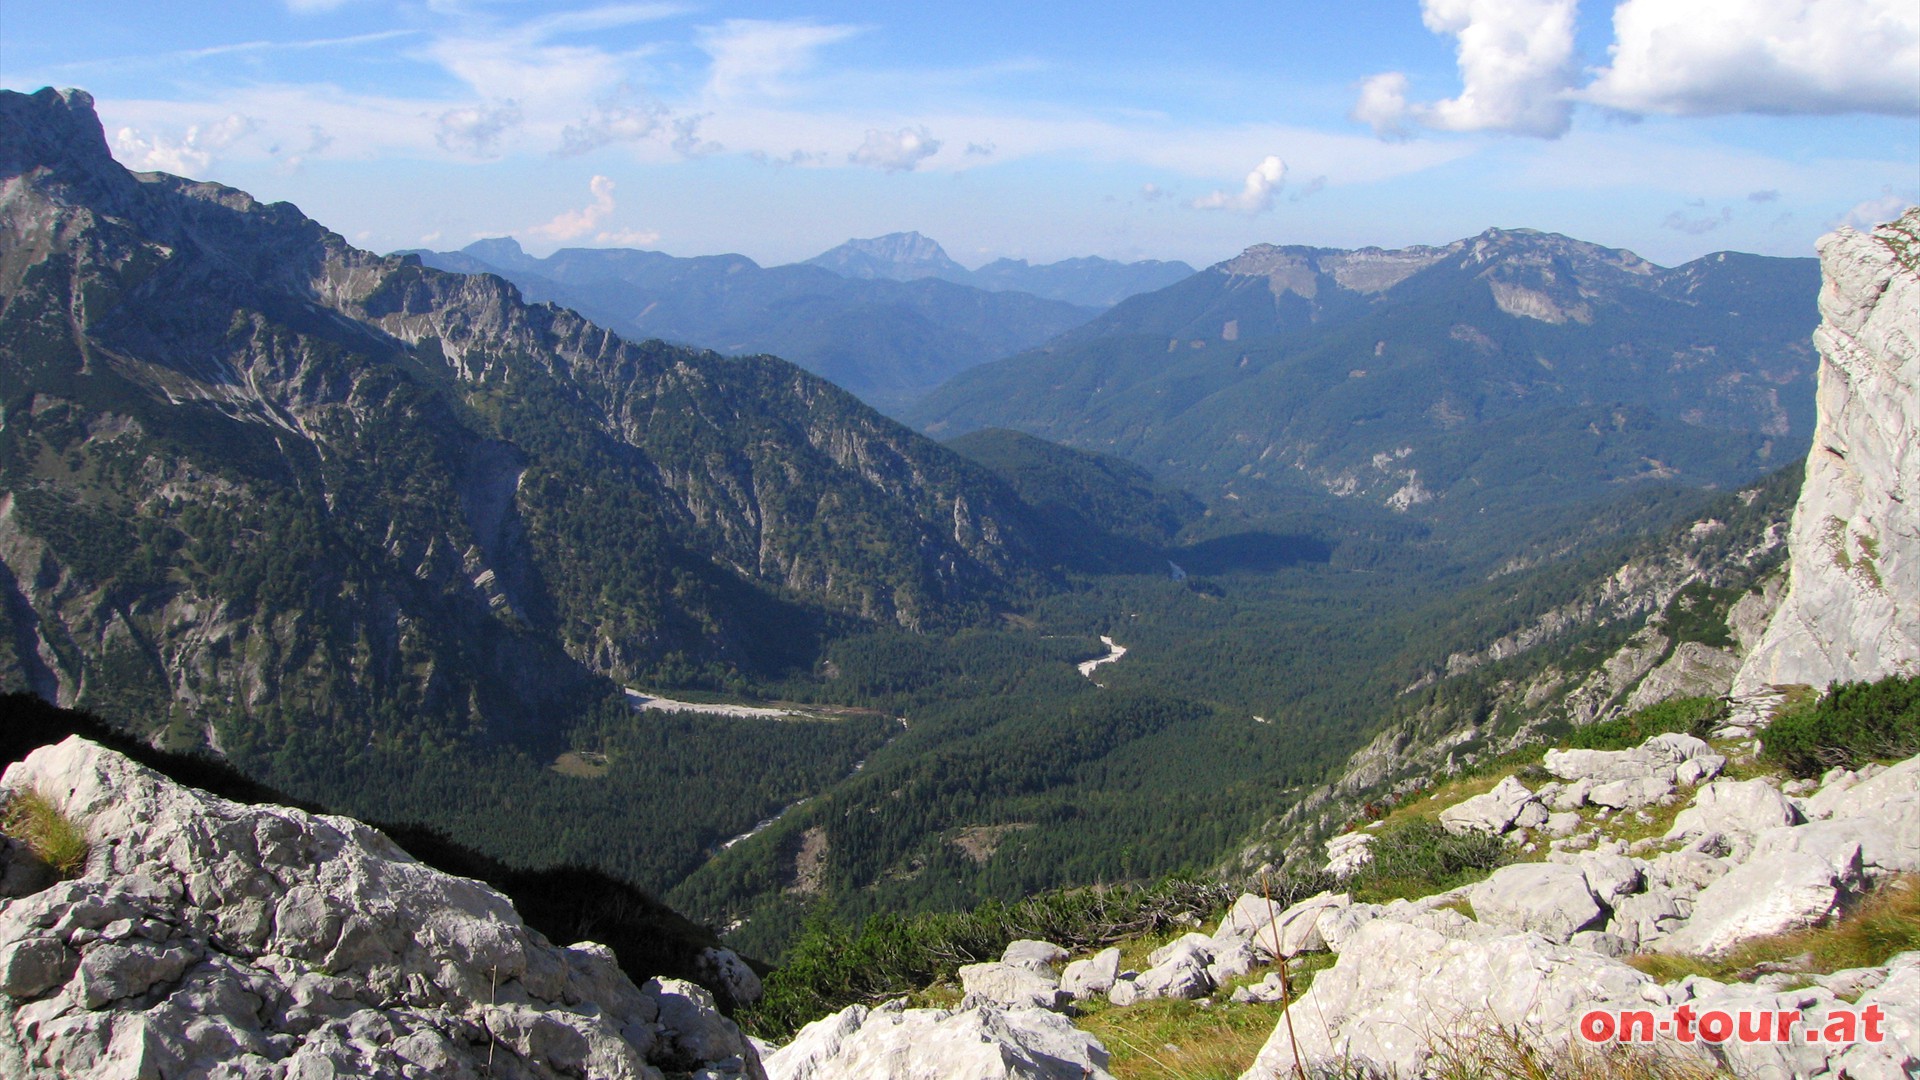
(902, 256)
(1504, 371)
(1089, 282)
(887, 341)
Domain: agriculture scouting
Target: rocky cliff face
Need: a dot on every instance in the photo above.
(208, 938)
(1852, 610)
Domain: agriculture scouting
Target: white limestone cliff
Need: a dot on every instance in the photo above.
(1852, 610)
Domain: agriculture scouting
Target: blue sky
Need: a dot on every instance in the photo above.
(1670, 127)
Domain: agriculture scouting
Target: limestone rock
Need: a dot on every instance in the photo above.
(1086, 979)
(1790, 890)
(1852, 610)
(1889, 798)
(1398, 988)
(1609, 877)
(1248, 914)
(1643, 918)
(723, 967)
(211, 938)
(1549, 899)
(1737, 810)
(1348, 853)
(1297, 929)
(1178, 970)
(1492, 813)
(982, 1043)
(1009, 986)
(1230, 960)
(1036, 956)
(1632, 794)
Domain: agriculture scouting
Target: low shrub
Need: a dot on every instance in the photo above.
(1849, 725)
(834, 965)
(1696, 716)
(1420, 858)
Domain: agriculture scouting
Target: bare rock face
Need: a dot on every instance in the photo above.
(1852, 610)
(210, 938)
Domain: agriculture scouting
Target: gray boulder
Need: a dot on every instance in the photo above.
(1178, 970)
(1644, 918)
(1549, 899)
(1036, 956)
(724, 968)
(1230, 960)
(1297, 929)
(1890, 798)
(1348, 853)
(1010, 987)
(1738, 810)
(1790, 890)
(1093, 977)
(1492, 813)
(1609, 877)
(893, 1042)
(1633, 793)
(1400, 990)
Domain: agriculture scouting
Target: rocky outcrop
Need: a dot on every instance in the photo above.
(980, 1042)
(207, 937)
(1743, 860)
(1852, 610)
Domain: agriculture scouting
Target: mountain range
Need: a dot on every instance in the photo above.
(870, 322)
(254, 473)
(1502, 371)
(400, 539)
(1088, 281)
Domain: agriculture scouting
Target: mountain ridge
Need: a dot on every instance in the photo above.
(886, 341)
(1425, 378)
(1090, 281)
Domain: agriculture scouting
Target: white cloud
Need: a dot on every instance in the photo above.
(1697, 224)
(755, 57)
(315, 7)
(895, 151)
(574, 224)
(1256, 197)
(189, 154)
(1767, 56)
(476, 130)
(1382, 105)
(611, 122)
(1516, 64)
(587, 221)
(687, 141)
(1874, 212)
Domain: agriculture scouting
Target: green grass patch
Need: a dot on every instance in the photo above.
(54, 838)
(1181, 1040)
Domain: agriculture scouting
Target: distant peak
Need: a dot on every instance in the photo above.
(501, 251)
(902, 256)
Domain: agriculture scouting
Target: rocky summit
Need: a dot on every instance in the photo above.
(212, 939)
